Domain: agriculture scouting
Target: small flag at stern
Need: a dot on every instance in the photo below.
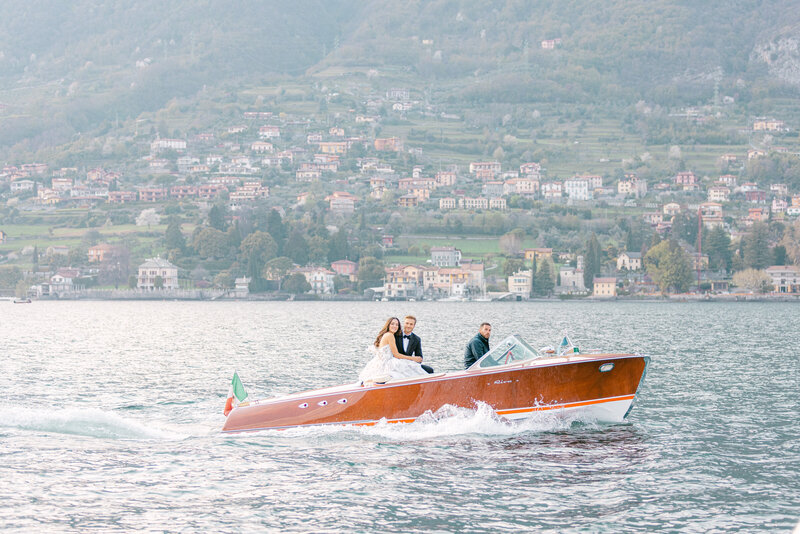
(237, 392)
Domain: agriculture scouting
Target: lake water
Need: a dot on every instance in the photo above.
(110, 415)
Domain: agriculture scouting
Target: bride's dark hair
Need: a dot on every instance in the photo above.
(386, 329)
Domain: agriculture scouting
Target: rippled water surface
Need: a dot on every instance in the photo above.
(110, 415)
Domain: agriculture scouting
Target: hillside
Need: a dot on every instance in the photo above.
(71, 69)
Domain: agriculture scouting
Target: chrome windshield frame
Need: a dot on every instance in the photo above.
(506, 348)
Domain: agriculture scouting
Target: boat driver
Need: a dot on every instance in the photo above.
(478, 345)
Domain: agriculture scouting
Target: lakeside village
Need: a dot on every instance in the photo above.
(274, 206)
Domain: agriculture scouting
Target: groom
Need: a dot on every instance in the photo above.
(408, 342)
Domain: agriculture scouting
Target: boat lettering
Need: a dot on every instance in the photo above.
(502, 381)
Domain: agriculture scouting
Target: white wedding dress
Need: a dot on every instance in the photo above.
(384, 366)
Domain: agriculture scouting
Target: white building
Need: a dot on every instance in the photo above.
(320, 279)
(577, 189)
(445, 256)
(520, 283)
(157, 267)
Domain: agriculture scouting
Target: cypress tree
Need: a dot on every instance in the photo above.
(593, 262)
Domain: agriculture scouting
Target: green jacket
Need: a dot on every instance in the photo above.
(477, 347)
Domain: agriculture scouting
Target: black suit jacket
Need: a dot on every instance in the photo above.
(414, 345)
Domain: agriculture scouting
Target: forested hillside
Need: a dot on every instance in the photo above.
(69, 67)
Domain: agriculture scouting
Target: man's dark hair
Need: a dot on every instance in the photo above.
(484, 324)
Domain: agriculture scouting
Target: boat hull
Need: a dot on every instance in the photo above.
(568, 384)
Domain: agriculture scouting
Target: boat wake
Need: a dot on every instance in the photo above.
(91, 422)
(456, 421)
(483, 421)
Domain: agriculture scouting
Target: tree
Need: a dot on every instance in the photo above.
(21, 289)
(35, 258)
(753, 280)
(275, 226)
(297, 284)
(216, 217)
(262, 245)
(158, 283)
(511, 243)
(668, 265)
(791, 242)
(779, 255)
(543, 282)
(297, 248)
(370, 272)
(756, 247)
(224, 280)
(718, 247)
(593, 262)
(173, 237)
(512, 266)
(210, 243)
(148, 217)
(277, 269)
(338, 248)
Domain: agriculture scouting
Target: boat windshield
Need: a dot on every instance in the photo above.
(511, 349)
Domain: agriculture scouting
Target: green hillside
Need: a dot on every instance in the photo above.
(74, 70)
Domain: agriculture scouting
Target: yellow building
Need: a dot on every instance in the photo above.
(538, 253)
(605, 288)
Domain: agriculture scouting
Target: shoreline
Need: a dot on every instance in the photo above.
(267, 297)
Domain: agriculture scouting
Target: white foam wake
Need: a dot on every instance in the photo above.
(455, 421)
(91, 422)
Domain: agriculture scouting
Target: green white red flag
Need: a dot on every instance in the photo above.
(237, 392)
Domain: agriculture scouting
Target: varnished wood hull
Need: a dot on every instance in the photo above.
(574, 383)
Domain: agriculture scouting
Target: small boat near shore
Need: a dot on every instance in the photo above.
(513, 378)
(19, 300)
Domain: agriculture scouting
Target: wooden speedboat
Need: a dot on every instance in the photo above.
(513, 378)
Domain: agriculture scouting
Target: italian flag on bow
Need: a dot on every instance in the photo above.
(236, 391)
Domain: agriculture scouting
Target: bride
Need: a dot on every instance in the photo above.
(387, 362)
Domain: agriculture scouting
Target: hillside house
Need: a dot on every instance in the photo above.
(785, 279)
(551, 190)
(408, 201)
(153, 268)
(333, 147)
(471, 203)
(389, 144)
(685, 178)
(671, 209)
(577, 188)
(530, 169)
(122, 197)
(100, 253)
(345, 268)
(711, 213)
(629, 261)
(492, 167)
(538, 254)
(447, 203)
(159, 145)
(319, 278)
(520, 283)
(269, 132)
(605, 287)
(719, 193)
(445, 179)
(445, 256)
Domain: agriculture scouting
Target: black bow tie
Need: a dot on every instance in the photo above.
(407, 336)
